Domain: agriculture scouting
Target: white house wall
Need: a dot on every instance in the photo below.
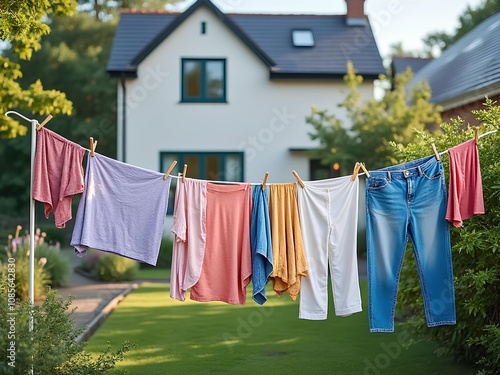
(264, 118)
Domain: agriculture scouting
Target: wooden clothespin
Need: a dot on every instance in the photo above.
(476, 135)
(298, 178)
(184, 172)
(435, 151)
(49, 117)
(265, 181)
(362, 165)
(93, 145)
(174, 163)
(355, 171)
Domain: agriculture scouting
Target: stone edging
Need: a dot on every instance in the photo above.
(92, 327)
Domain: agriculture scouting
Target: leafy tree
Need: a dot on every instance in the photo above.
(73, 59)
(397, 50)
(374, 124)
(21, 25)
(475, 251)
(468, 21)
(103, 10)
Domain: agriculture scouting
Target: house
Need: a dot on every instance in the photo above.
(228, 94)
(466, 72)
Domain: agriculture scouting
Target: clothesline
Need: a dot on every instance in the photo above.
(277, 183)
(480, 136)
(359, 174)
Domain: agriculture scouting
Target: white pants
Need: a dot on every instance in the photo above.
(328, 212)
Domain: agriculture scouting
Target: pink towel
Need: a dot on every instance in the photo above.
(57, 174)
(465, 193)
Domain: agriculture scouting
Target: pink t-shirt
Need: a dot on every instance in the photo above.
(190, 236)
(227, 264)
(57, 174)
(465, 193)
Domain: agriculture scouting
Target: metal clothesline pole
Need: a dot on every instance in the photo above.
(34, 124)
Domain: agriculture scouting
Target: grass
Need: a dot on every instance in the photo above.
(215, 338)
(153, 274)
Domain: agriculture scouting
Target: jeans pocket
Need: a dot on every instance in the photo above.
(376, 183)
(434, 173)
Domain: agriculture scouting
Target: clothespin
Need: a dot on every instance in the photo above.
(476, 135)
(362, 165)
(265, 181)
(184, 172)
(174, 163)
(298, 178)
(355, 171)
(49, 117)
(93, 145)
(435, 151)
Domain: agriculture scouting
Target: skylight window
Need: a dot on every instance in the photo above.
(302, 38)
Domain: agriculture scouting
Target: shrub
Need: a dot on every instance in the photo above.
(54, 235)
(89, 260)
(51, 266)
(111, 267)
(57, 265)
(51, 349)
(475, 249)
(21, 261)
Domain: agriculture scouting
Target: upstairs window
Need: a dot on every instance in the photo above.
(302, 38)
(204, 80)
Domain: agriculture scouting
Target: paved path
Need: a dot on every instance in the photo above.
(93, 300)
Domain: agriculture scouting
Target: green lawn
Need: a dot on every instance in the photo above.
(154, 274)
(215, 338)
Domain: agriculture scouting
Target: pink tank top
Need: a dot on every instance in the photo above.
(227, 264)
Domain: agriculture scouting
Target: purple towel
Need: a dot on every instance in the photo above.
(122, 210)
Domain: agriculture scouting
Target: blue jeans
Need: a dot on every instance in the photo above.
(408, 201)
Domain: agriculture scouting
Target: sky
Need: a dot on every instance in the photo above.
(393, 21)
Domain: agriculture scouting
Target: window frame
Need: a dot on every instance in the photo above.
(298, 40)
(203, 82)
(180, 156)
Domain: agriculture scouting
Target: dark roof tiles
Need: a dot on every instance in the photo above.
(134, 32)
(472, 63)
(335, 43)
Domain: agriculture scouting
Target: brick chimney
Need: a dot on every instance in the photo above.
(355, 13)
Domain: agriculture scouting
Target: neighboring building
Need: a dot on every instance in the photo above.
(466, 72)
(400, 64)
(228, 94)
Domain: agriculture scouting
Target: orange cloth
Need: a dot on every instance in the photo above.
(288, 250)
(227, 263)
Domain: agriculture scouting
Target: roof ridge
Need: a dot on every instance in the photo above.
(147, 11)
(284, 14)
(413, 57)
(161, 11)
